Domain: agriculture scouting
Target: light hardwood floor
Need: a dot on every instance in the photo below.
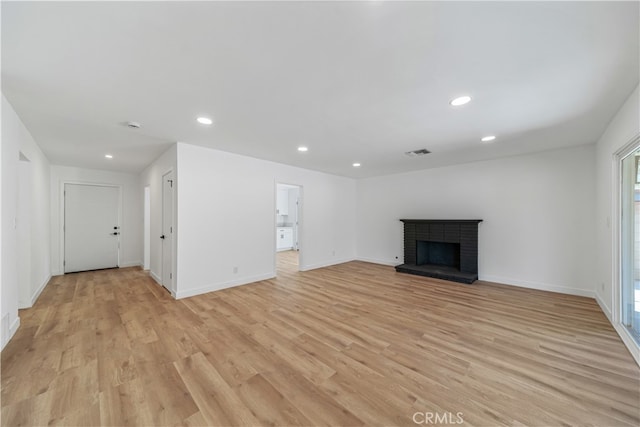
(349, 345)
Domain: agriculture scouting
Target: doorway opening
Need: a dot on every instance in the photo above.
(288, 225)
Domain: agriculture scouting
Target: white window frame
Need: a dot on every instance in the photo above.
(616, 297)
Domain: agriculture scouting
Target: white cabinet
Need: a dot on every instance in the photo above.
(284, 238)
(282, 202)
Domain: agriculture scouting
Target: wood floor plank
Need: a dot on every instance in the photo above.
(348, 345)
(218, 403)
(269, 405)
(314, 404)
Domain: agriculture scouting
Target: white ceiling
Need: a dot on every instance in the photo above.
(353, 81)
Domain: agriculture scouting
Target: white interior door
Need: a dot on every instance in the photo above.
(91, 229)
(167, 230)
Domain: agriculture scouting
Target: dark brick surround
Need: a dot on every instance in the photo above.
(461, 232)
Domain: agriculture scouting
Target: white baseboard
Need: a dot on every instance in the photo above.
(325, 264)
(57, 273)
(622, 332)
(38, 291)
(130, 264)
(155, 277)
(13, 328)
(540, 286)
(606, 310)
(224, 285)
(379, 261)
(508, 281)
(628, 341)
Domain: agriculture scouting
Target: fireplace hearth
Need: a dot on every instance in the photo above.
(444, 249)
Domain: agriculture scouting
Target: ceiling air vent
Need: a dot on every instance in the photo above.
(415, 153)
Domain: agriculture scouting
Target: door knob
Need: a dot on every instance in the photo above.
(162, 237)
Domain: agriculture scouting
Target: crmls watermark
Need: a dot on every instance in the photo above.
(438, 418)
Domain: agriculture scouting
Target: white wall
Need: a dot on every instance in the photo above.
(147, 228)
(15, 139)
(4, 311)
(40, 214)
(624, 126)
(537, 212)
(131, 227)
(152, 177)
(12, 132)
(226, 215)
(23, 229)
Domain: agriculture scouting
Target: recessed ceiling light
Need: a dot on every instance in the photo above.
(488, 138)
(303, 149)
(204, 120)
(133, 125)
(461, 100)
(356, 165)
(108, 156)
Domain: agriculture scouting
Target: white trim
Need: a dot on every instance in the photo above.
(511, 282)
(174, 230)
(616, 245)
(540, 286)
(628, 341)
(62, 202)
(378, 261)
(606, 310)
(159, 282)
(130, 264)
(38, 291)
(325, 264)
(12, 330)
(299, 232)
(615, 240)
(224, 285)
(155, 277)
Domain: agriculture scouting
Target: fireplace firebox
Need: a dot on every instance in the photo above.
(444, 249)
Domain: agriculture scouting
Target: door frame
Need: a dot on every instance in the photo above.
(62, 238)
(300, 223)
(172, 286)
(616, 267)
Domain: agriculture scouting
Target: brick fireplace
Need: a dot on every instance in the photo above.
(444, 249)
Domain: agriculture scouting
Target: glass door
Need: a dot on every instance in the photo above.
(630, 243)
